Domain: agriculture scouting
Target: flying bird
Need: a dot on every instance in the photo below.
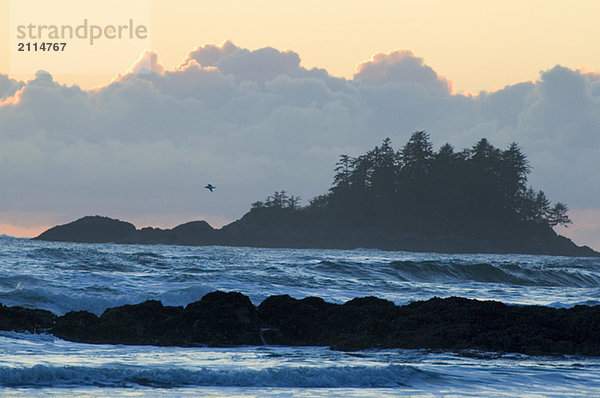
(210, 187)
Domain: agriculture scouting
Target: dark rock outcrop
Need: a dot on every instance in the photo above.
(144, 323)
(221, 319)
(217, 319)
(193, 233)
(225, 319)
(451, 324)
(21, 319)
(98, 229)
(91, 229)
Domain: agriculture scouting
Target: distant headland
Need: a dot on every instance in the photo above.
(414, 199)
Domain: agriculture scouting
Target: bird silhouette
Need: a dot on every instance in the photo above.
(210, 187)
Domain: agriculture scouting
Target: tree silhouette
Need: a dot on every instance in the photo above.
(558, 215)
(293, 202)
(279, 200)
(479, 190)
(416, 156)
(420, 190)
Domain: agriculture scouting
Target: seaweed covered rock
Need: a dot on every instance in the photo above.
(144, 323)
(223, 319)
(21, 319)
(453, 323)
(295, 322)
(217, 319)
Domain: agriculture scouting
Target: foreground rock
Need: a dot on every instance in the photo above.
(225, 319)
(453, 324)
(217, 319)
(20, 319)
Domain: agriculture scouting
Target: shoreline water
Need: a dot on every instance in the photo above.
(64, 277)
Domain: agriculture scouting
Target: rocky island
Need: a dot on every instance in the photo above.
(414, 199)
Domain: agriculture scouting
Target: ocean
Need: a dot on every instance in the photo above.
(63, 277)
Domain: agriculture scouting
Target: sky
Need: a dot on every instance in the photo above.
(265, 95)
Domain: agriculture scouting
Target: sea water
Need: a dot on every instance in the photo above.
(63, 277)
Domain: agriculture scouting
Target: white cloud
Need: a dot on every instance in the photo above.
(251, 122)
(259, 66)
(402, 67)
(147, 63)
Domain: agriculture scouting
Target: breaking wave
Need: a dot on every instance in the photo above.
(48, 376)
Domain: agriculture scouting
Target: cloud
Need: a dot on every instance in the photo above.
(258, 66)
(251, 122)
(210, 54)
(402, 67)
(147, 63)
(8, 87)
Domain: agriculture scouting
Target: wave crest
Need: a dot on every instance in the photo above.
(310, 377)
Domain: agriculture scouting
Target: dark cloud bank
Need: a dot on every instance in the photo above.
(252, 122)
